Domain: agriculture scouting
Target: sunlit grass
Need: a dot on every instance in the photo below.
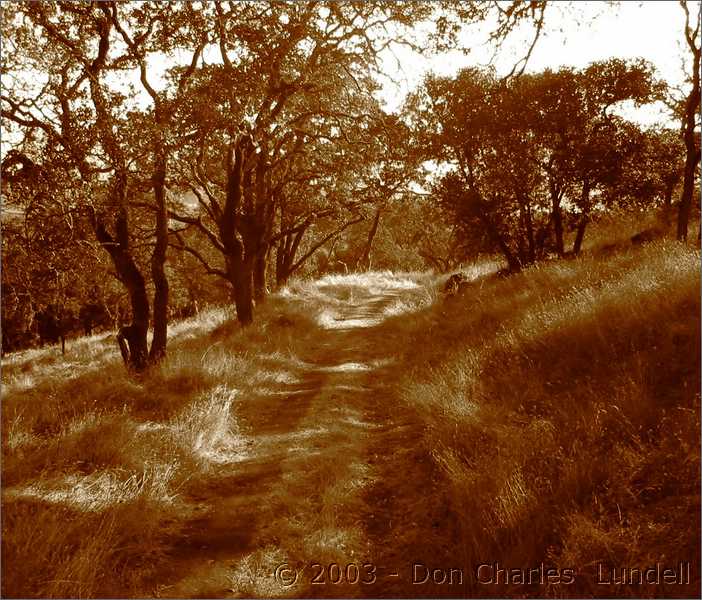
(564, 408)
(561, 405)
(84, 441)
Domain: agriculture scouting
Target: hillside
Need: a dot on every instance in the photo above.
(366, 420)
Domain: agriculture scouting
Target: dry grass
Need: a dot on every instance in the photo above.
(86, 448)
(563, 403)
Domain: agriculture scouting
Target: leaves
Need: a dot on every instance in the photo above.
(516, 149)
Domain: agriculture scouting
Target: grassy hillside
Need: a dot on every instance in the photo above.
(560, 407)
(563, 403)
(87, 449)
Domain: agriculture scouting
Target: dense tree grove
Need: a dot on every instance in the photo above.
(162, 156)
(533, 157)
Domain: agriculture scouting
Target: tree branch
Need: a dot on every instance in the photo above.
(183, 246)
(324, 240)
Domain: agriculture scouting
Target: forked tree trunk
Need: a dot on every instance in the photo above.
(132, 338)
(239, 266)
(286, 251)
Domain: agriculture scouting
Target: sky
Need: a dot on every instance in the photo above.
(576, 34)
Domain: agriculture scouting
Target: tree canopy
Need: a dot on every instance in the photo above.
(226, 146)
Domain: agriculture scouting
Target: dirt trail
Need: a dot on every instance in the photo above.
(333, 471)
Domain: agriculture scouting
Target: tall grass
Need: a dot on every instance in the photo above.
(97, 466)
(563, 405)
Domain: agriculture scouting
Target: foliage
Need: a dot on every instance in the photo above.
(518, 151)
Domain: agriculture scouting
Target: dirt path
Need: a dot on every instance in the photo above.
(333, 472)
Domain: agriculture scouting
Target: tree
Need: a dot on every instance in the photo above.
(52, 271)
(651, 172)
(82, 110)
(296, 140)
(491, 189)
(517, 150)
(689, 122)
(273, 191)
(287, 112)
(580, 145)
(604, 141)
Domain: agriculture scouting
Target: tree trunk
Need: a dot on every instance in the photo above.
(521, 249)
(333, 237)
(139, 326)
(281, 252)
(692, 158)
(557, 218)
(260, 273)
(667, 213)
(530, 235)
(158, 260)
(285, 254)
(241, 277)
(513, 262)
(258, 235)
(584, 218)
(558, 230)
(134, 335)
(528, 254)
(580, 233)
(239, 266)
(685, 208)
(364, 261)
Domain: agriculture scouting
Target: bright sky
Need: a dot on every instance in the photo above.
(576, 34)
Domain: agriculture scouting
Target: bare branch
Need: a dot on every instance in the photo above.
(197, 222)
(321, 243)
(183, 246)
